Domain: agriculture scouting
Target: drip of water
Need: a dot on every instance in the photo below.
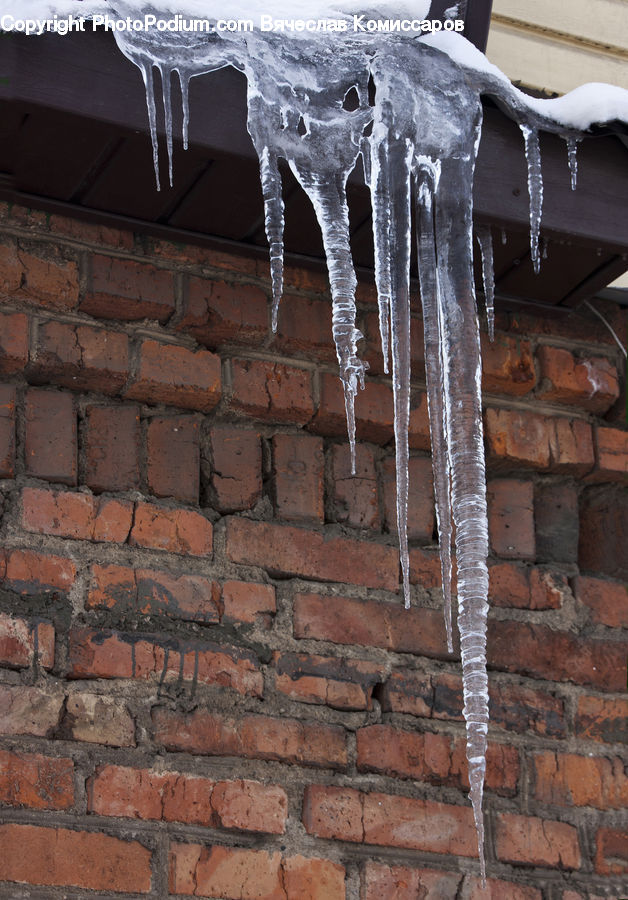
(535, 190)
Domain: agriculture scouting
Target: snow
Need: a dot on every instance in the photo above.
(418, 144)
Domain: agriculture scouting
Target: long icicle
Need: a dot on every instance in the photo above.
(462, 372)
(273, 224)
(426, 185)
(380, 202)
(485, 240)
(166, 90)
(535, 190)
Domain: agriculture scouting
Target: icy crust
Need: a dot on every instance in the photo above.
(310, 103)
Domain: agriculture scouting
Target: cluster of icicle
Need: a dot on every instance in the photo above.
(417, 139)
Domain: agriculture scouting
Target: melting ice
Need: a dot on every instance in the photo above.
(418, 141)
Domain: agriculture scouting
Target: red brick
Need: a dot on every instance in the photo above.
(91, 233)
(50, 445)
(603, 530)
(496, 889)
(78, 516)
(80, 357)
(174, 530)
(370, 623)
(7, 431)
(285, 550)
(52, 283)
(28, 572)
(339, 683)
(420, 498)
(176, 797)
(373, 351)
(57, 856)
(294, 336)
(390, 821)
(216, 312)
(434, 758)
(232, 874)
(313, 879)
(602, 719)
(385, 882)
(149, 592)
(173, 466)
(123, 289)
(511, 518)
(517, 438)
(355, 498)
(373, 413)
(606, 601)
(98, 719)
(537, 842)
(611, 857)
(556, 655)
(298, 469)
(248, 603)
(176, 376)
(507, 366)
(571, 447)
(523, 588)
(112, 446)
(566, 779)
(587, 328)
(590, 383)
(612, 455)
(13, 341)
(111, 654)
(252, 736)
(11, 269)
(236, 468)
(36, 782)
(513, 707)
(556, 521)
(21, 641)
(271, 391)
(29, 710)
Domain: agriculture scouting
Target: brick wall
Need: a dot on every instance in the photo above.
(208, 684)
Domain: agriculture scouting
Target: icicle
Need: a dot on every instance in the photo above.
(572, 153)
(184, 83)
(147, 74)
(274, 225)
(485, 240)
(426, 183)
(380, 201)
(535, 190)
(167, 101)
(504, 237)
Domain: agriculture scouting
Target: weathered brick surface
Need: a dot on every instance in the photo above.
(33, 781)
(247, 602)
(173, 457)
(98, 719)
(50, 441)
(298, 465)
(28, 572)
(556, 522)
(339, 683)
(271, 391)
(566, 779)
(590, 383)
(537, 842)
(22, 642)
(256, 737)
(236, 468)
(112, 442)
(176, 797)
(123, 289)
(511, 518)
(603, 527)
(80, 357)
(7, 431)
(110, 654)
(507, 366)
(606, 601)
(83, 859)
(75, 515)
(29, 710)
(181, 531)
(611, 857)
(355, 497)
(13, 341)
(176, 376)
(602, 719)
(216, 313)
(294, 551)
(421, 515)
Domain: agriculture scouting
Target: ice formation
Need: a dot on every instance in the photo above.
(310, 103)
